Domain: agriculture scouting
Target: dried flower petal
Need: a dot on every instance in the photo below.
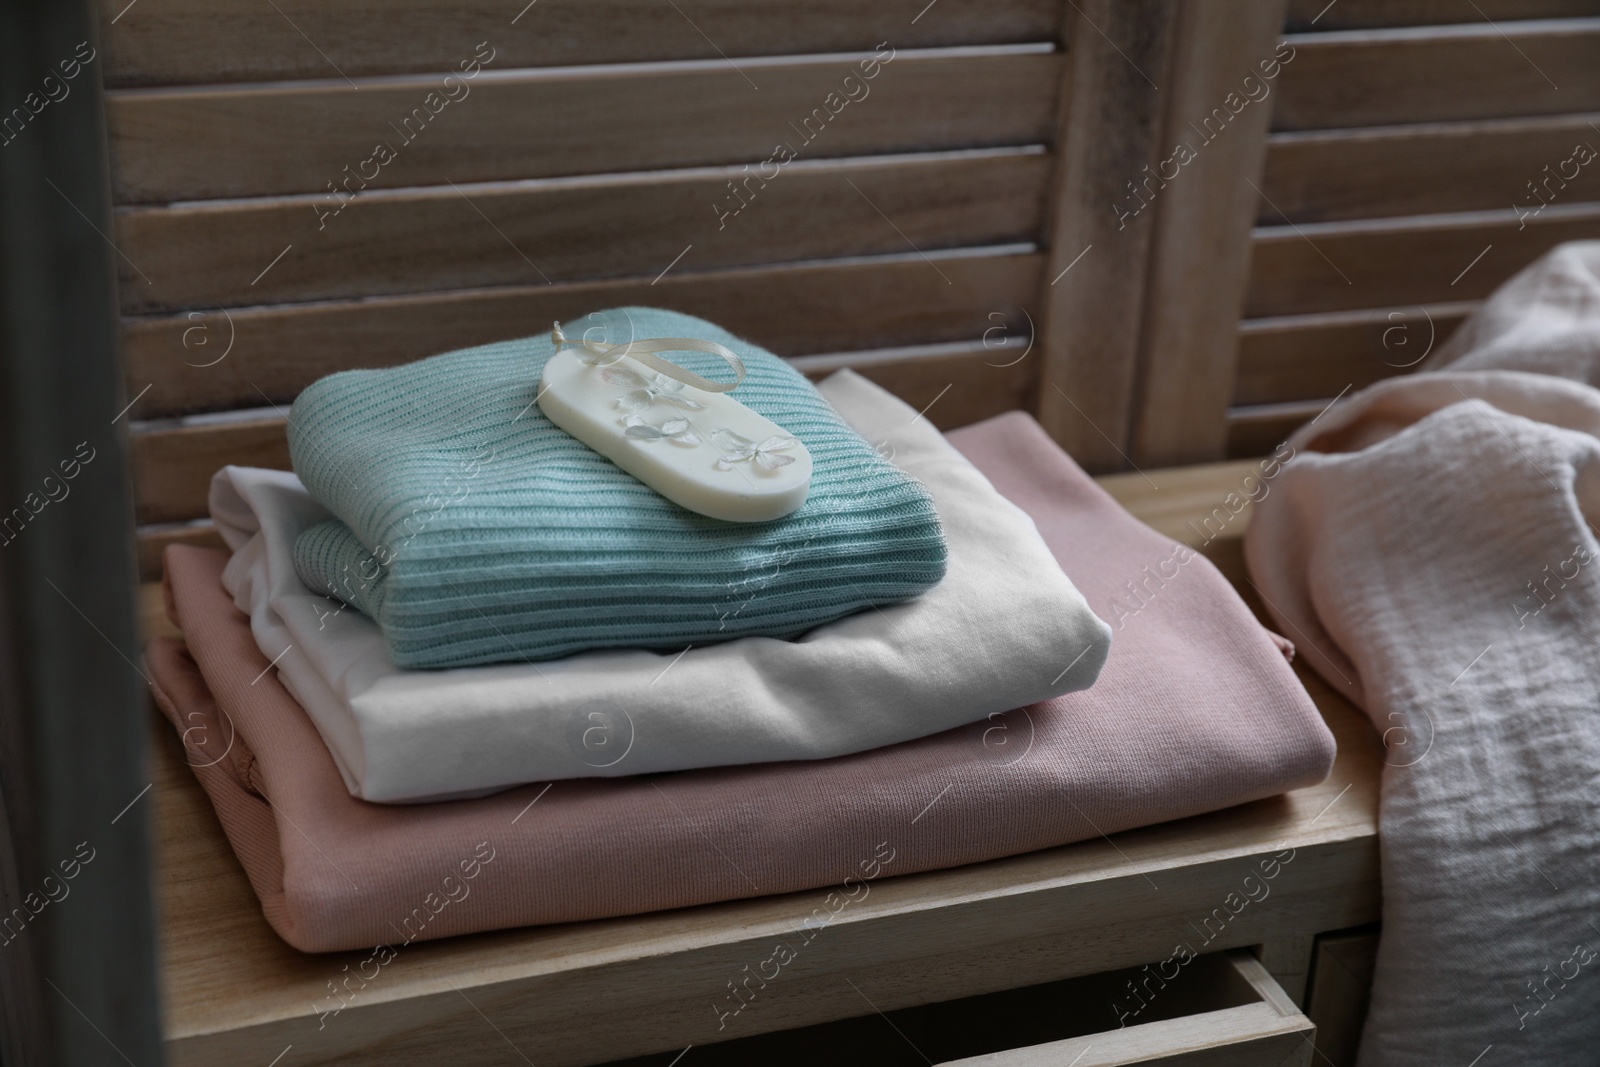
(773, 460)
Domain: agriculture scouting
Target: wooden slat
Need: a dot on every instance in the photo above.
(954, 385)
(1327, 175)
(1306, 15)
(298, 137)
(520, 233)
(1257, 430)
(172, 42)
(1200, 258)
(172, 466)
(153, 541)
(1303, 357)
(879, 302)
(1472, 71)
(1401, 262)
(1092, 291)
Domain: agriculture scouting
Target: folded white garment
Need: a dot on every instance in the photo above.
(1004, 629)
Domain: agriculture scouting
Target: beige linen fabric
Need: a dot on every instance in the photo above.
(1431, 547)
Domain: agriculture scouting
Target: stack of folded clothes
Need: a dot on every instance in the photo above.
(520, 668)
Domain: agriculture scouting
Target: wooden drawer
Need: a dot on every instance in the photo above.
(1223, 1009)
(1341, 986)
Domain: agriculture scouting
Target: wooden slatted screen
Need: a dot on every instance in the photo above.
(1422, 152)
(308, 187)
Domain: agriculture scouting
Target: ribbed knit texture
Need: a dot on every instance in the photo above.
(474, 531)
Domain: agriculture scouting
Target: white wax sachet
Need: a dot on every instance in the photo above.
(678, 433)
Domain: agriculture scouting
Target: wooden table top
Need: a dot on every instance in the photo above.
(580, 993)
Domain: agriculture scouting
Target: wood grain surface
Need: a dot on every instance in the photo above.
(175, 42)
(536, 232)
(1474, 70)
(511, 124)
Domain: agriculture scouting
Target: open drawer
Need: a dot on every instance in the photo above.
(1223, 1009)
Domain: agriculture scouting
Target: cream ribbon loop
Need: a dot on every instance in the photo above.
(604, 354)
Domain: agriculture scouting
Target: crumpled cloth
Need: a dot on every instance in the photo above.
(1196, 709)
(1431, 548)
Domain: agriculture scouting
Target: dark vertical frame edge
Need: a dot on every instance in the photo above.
(78, 967)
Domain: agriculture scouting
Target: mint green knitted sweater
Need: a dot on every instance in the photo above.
(474, 531)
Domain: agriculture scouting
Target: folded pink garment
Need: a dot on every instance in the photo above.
(1196, 710)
